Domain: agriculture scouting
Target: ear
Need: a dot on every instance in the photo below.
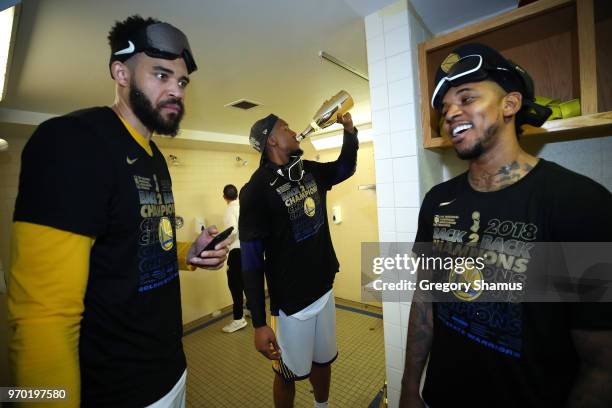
(121, 73)
(272, 140)
(512, 103)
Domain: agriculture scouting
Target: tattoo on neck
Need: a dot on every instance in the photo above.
(508, 168)
(480, 180)
(505, 176)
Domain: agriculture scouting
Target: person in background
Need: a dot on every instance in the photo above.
(234, 263)
(499, 351)
(93, 294)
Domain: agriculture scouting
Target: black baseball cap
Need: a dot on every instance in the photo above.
(477, 62)
(260, 132)
(159, 40)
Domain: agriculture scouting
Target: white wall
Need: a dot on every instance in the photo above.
(391, 36)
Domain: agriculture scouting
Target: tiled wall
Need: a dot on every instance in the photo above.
(391, 35)
(394, 119)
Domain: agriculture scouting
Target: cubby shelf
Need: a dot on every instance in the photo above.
(565, 45)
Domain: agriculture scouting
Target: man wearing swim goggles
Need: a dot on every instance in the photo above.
(94, 294)
(491, 348)
(159, 110)
(473, 68)
(158, 40)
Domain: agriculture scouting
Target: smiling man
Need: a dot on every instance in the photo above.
(93, 293)
(498, 351)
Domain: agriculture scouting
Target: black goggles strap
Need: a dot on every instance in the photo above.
(160, 40)
(471, 68)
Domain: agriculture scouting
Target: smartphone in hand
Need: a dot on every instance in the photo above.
(218, 238)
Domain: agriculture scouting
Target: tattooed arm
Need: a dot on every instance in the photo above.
(418, 344)
(592, 386)
(420, 322)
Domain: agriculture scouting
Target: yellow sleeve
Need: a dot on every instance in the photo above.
(181, 252)
(46, 288)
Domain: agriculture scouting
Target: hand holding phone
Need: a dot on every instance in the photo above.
(215, 259)
(222, 236)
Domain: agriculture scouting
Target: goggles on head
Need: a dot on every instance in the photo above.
(471, 68)
(159, 40)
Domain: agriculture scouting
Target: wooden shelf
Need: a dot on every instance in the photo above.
(559, 42)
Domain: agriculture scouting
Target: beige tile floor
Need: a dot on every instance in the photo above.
(226, 371)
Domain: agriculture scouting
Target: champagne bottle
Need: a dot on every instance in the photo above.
(340, 103)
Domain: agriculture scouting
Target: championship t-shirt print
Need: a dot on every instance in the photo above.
(156, 260)
(303, 203)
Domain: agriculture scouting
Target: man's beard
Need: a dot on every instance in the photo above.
(478, 148)
(151, 117)
(471, 154)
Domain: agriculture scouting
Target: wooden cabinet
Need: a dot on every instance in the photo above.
(566, 47)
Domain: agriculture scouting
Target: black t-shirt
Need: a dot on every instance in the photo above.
(507, 353)
(85, 173)
(291, 219)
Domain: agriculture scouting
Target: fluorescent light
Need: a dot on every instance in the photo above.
(7, 18)
(331, 142)
(327, 142)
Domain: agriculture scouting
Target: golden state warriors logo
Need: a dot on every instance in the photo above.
(309, 207)
(166, 237)
(469, 275)
(449, 61)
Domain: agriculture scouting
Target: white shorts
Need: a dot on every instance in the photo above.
(175, 398)
(307, 340)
